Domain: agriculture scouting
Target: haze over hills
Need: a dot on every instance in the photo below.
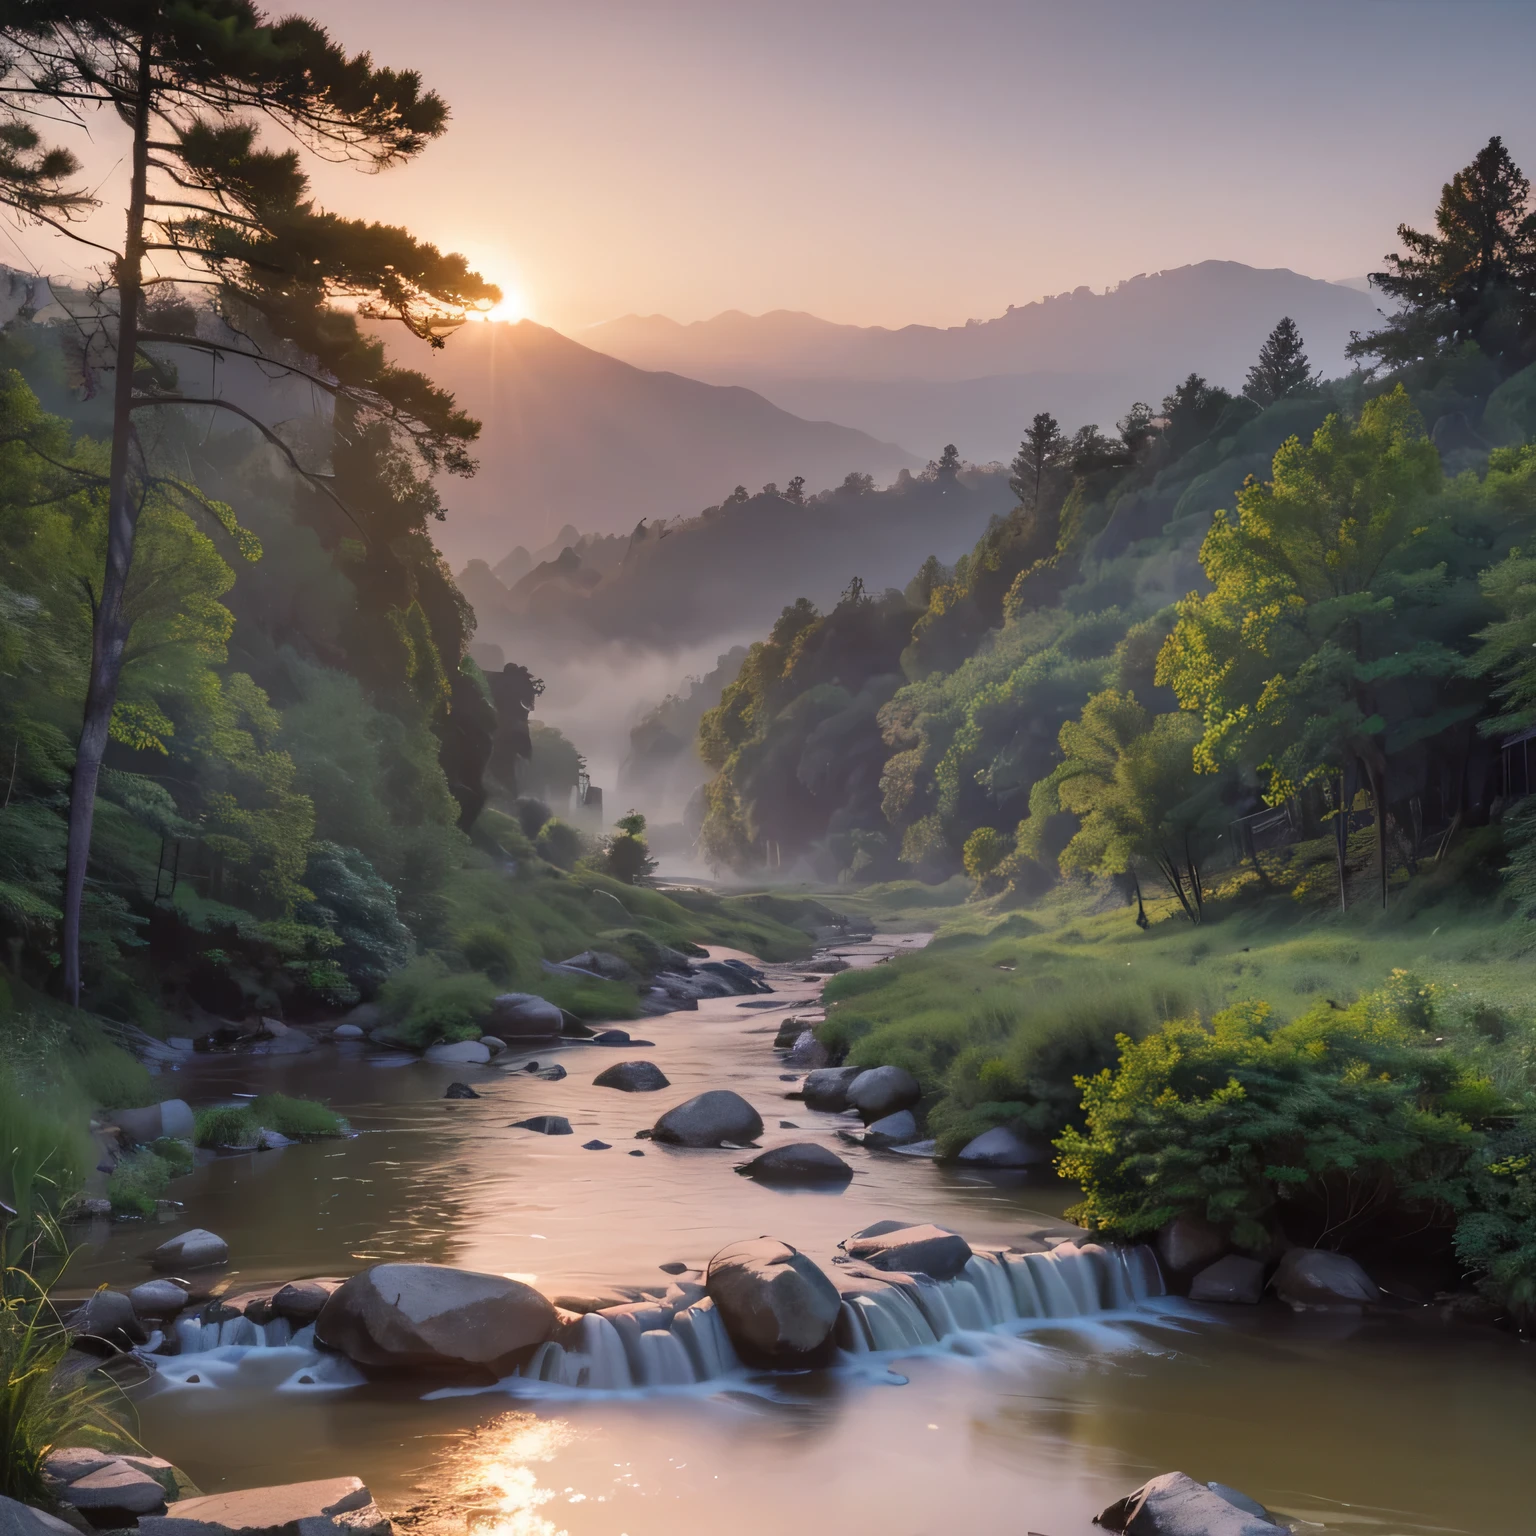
(1082, 355)
(576, 436)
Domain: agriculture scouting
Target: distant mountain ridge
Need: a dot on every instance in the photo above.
(572, 435)
(1082, 355)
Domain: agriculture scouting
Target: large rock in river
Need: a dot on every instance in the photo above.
(709, 1119)
(1189, 1242)
(22, 1520)
(428, 1317)
(1002, 1147)
(827, 1088)
(523, 1016)
(632, 1077)
(1232, 1279)
(334, 1506)
(1318, 1277)
(171, 1117)
(1176, 1505)
(883, 1091)
(801, 1162)
(776, 1304)
(194, 1249)
(923, 1250)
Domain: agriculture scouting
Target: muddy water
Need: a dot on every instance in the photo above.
(1382, 1426)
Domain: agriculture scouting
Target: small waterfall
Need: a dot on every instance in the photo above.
(196, 1337)
(641, 1345)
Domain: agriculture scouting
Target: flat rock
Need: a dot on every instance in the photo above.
(617, 1037)
(892, 1130)
(348, 1032)
(159, 1299)
(545, 1125)
(801, 1162)
(923, 1250)
(632, 1077)
(429, 1317)
(194, 1249)
(827, 1088)
(1230, 1279)
(459, 1052)
(22, 1520)
(301, 1301)
(1003, 1147)
(523, 1016)
(777, 1305)
(883, 1091)
(708, 1119)
(116, 1486)
(1176, 1505)
(335, 1506)
(1318, 1277)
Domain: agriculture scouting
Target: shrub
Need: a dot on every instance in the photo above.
(1497, 1239)
(226, 1125)
(426, 1002)
(137, 1182)
(560, 843)
(236, 1125)
(595, 999)
(985, 849)
(1349, 1111)
(506, 957)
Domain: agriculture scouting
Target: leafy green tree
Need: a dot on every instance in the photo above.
(1136, 428)
(1322, 643)
(985, 849)
(948, 465)
(1472, 279)
(856, 483)
(1315, 1128)
(1043, 448)
(795, 490)
(1282, 368)
(1191, 411)
(627, 856)
(1090, 452)
(190, 80)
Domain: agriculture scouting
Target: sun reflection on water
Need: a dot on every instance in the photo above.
(499, 1483)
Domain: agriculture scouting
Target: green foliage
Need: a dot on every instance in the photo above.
(1329, 1123)
(627, 856)
(1496, 1240)
(985, 849)
(595, 999)
(236, 1125)
(560, 843)
(140, 1179)
(426, 1002)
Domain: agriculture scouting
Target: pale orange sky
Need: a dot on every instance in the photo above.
(890, 163)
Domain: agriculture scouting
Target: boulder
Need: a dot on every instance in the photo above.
(1003, 1147)
(922, 1250)
(882, 1091)
(115, 1487)
(892, 1131)
(599, 962)
(459, 1053)
(740, 979)
(271, 1141)
(1176, 1505)
(459, 1091)
(808, 1051)
(334, 1506)
(301, 1301)
(109, 1315)
(707, 1119)
(194, 1249)
(1189, 1242)
(632, 1077)
(523, 1016)
(801, 1162)
(1232, 1279)
(1318, 1277)
(617, 1037)
(494, 1044)
(428, 1317)
(22, 1520)
(827, 1088)
(776, 1304)
(158, 1299)
(545, 1125)
(348, 1032)
(550, 1074)
(172, 1117)
(831, 966)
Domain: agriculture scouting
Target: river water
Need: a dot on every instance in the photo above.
(1396, 1426)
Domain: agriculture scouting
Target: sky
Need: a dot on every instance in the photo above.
(898, 162)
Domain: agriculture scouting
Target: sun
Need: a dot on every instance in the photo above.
(513, 306)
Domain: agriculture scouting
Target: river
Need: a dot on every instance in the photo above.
(1393, 1426)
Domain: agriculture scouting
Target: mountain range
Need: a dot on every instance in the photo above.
(1084, 356)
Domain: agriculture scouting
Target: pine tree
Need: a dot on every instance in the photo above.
(1043, 448)
(1282, 368)
(192, 80)
(949, 463)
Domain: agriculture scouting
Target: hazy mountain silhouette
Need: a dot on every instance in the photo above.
(575, 436)
(1083, 355)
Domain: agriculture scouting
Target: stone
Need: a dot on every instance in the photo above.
(1003, 1147)
(334, 1506)
(599, 962)
(777, 1305)
(1189, 1242)
(89, 1207)
(71, 1462)
(459, 1091)
(741, 980)
(708, 1119)
(550, 1074)
(801, 1162)
(613, 1037)
(892, 1131)
(301, 1301)
(831, 966)
(116, 1486)
(1318, 1277)
(808, 1051)
(922, 1250)
(827, 1088)
(523, 1016)
(460, 1052)
(22, 1520)
(1231, 1279)
(172, 1117)
(1241, 1501)
(632, 1077)
(494, 1044)
(109, 1315)
(595, 1146)
(429, 1317)
(193, 1249)
(637, 1153)
(348, 1032)
(545, 1125)
(176, 1120)
(1176, 1505)
(882, 1091)
(158, 1299)
(271, 1141)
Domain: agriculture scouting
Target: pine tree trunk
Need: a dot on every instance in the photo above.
(110, 625)
(1376, 777)
(1341, 837)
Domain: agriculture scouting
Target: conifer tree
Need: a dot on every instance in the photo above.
(1282, 368)
(1043, 448)
(209, 206)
